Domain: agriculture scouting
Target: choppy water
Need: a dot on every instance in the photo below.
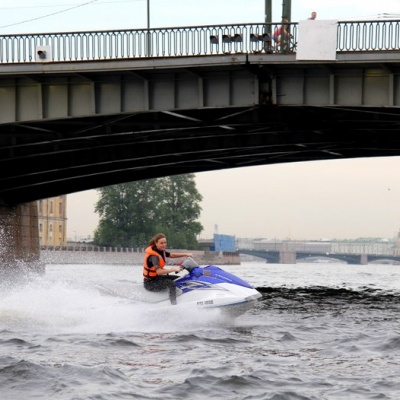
(320, 331)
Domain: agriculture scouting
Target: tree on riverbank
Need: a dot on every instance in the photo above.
(131, 213)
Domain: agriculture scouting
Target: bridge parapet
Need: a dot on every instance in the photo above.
(374, 35)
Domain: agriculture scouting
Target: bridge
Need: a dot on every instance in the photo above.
(351, 252)
(88, 109)
(290, 257)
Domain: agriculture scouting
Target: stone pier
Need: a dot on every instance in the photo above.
(19, 239)
(287, 257)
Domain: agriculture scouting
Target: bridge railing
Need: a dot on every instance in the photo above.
(378, 247)
(381, 35)
(137, 43)
(368, 35)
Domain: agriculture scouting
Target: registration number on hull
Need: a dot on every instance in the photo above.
(205, 303)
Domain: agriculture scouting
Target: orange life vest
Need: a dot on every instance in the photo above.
(150, 272)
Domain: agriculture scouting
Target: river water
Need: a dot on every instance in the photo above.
(320, 331)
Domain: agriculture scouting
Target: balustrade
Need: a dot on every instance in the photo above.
(381, 35)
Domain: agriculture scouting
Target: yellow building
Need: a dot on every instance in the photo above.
(52, 215)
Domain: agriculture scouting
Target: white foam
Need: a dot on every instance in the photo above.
(59, 305)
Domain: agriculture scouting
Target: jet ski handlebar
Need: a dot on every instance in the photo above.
(188, 263)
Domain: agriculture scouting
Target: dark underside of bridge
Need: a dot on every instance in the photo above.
(53, 157)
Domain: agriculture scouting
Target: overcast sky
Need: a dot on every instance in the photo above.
(28, 16)
(314, 200)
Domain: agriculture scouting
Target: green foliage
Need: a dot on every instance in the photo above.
(132, 213)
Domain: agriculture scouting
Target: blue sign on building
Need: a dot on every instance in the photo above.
(224, 243)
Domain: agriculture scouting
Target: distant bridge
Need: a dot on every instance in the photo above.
(283, 256)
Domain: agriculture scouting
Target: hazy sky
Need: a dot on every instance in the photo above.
(307, 200)
(28, 16)
(314, 200)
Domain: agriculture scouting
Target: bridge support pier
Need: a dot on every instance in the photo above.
(287, 257)
(19, 239)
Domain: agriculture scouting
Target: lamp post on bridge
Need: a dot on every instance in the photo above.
(268, 16)
(148, 14)
(148, 42)
(268, 11)
(287, 10)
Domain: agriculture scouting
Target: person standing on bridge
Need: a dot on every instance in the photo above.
(155, 275)
(313, 15)
(281, 35)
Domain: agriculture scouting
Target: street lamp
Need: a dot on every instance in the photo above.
(148, 52)
(148, 14)
(268, 11)
(268, 16)
(287, 10)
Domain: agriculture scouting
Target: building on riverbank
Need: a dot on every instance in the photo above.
(52, 221)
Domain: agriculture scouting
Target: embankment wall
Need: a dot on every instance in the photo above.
(101, 255)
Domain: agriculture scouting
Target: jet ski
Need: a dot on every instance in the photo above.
(208, 287)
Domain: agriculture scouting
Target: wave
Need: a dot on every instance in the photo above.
(319, 297)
